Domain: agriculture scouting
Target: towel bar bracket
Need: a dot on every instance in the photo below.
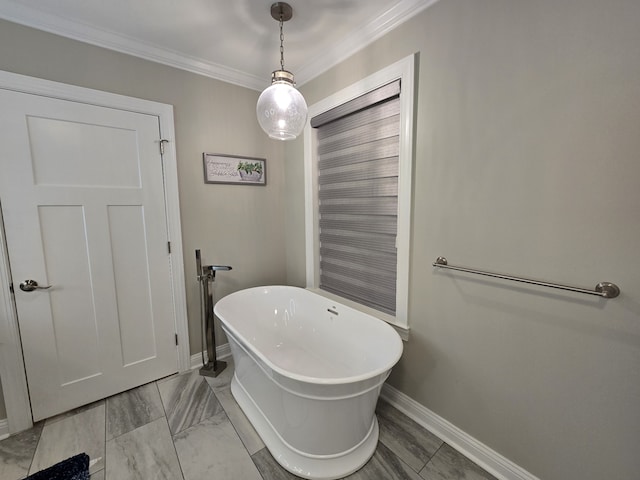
(608, 289)
(603, 289)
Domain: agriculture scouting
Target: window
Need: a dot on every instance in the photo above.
(358, 159)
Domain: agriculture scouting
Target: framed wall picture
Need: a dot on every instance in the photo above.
(234, 170)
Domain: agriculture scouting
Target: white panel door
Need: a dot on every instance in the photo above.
(82, 195)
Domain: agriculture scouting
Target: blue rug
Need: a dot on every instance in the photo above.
(74, 468)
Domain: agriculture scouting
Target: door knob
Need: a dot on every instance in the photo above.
(31, 285)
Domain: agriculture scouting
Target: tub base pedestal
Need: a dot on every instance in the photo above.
(315, 467)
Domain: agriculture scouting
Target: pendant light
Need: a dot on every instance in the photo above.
(281, 109)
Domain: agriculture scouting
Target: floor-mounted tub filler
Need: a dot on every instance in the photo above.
(308, 373)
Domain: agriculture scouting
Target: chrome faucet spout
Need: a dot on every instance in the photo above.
(209, 271)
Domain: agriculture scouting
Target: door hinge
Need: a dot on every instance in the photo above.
(162, 142)
(176, 339)
(169, 247)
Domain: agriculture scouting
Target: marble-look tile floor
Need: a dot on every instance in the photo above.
(188, 427)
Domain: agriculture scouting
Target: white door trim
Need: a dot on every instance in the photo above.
(12, 371)
(12, 374)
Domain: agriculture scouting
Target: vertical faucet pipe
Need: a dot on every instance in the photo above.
(206, 274)
(203, 305)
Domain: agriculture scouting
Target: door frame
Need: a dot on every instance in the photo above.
(12, 371)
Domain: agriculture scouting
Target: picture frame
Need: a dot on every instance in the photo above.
(234, 169)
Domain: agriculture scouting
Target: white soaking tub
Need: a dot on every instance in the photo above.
(308, 372)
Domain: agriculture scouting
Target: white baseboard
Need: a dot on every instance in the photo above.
(4, 428)
(222, 352)
(494, 463)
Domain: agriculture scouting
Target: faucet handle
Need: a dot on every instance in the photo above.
(209, 271)
(215, 268)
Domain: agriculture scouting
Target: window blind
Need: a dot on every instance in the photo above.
(358, 146)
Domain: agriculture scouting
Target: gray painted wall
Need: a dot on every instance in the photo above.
(242, 226)
(526, 162)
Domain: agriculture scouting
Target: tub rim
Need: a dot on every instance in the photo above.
(306, 378)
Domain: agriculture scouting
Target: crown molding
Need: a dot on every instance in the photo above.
(30, 17)
(369, 33)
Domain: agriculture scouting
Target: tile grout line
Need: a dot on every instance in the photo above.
(33, 455)
(215, 394)
(166, 419)
(432, 456)
(106, 417)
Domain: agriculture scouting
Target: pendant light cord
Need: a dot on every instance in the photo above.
(281, 44)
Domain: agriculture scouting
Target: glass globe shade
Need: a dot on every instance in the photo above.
(282, 111)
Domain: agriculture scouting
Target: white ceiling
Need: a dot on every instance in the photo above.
(235, 41)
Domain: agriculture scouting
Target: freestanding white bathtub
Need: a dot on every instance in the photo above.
(308, 372)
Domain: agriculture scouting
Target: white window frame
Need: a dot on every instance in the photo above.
(403, 70)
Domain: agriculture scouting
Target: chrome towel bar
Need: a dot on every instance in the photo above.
(603, 289)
